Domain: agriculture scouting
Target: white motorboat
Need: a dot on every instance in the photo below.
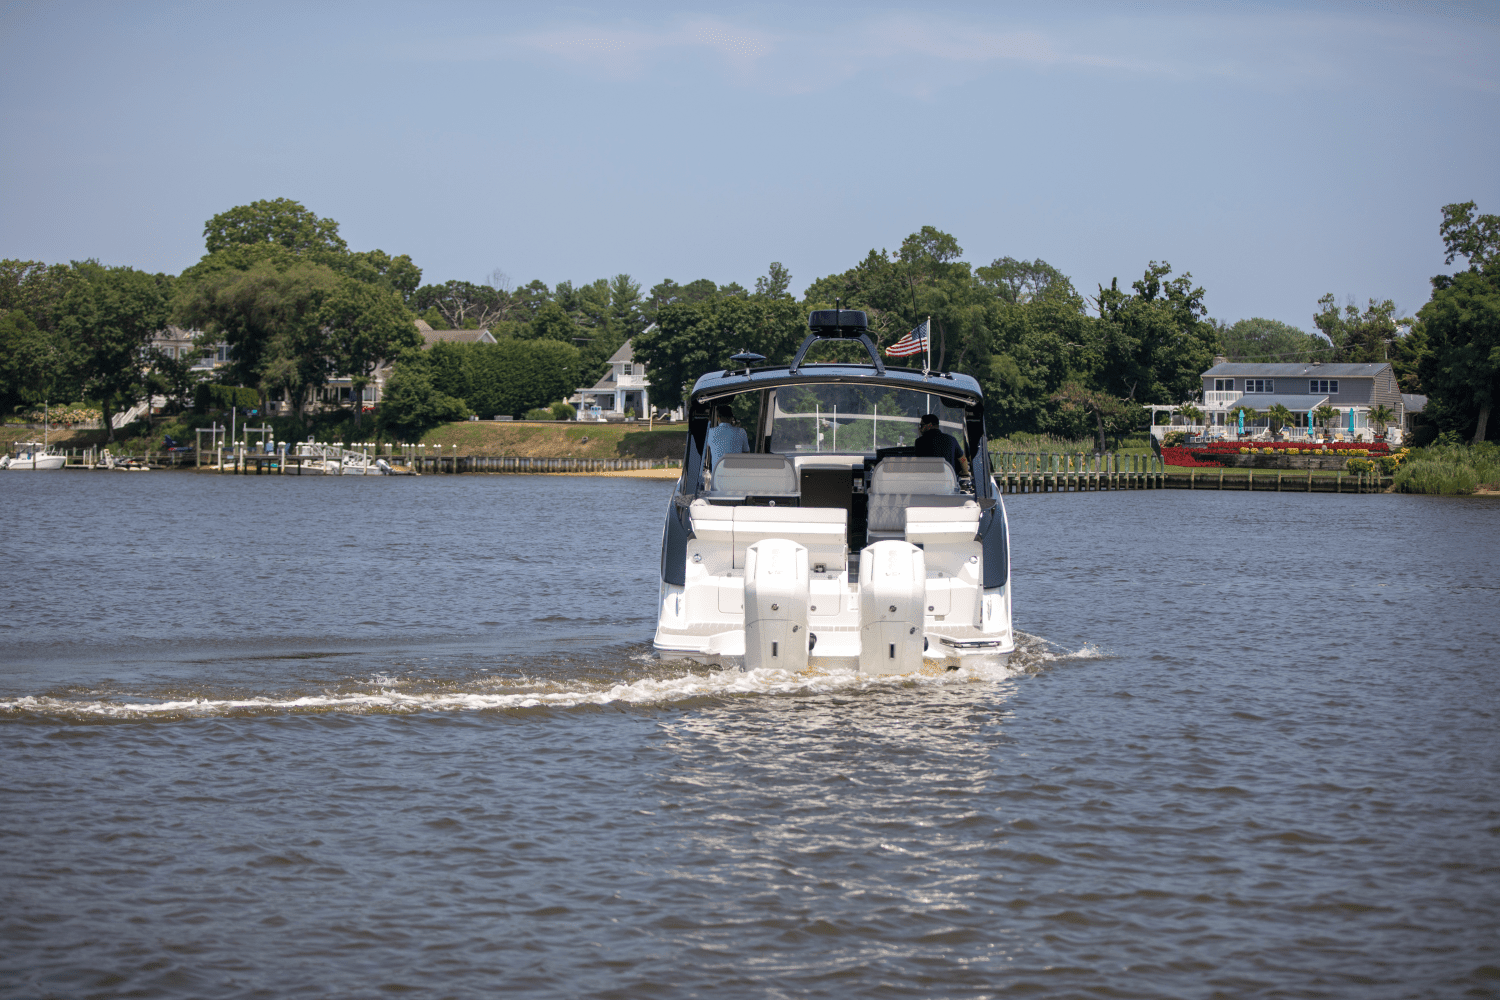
(830, 543)
(32, 456)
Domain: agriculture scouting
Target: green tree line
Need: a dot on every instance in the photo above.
(297, 307)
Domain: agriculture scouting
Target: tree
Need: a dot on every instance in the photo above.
(625, 306)
(1020, 282)
(1381, 416)
(1360, 336)
(464, 305)
(1109, 412)
(1325, 413)
(34, 364)
(692, 339)
(552, 323)
(108, 315)
(1153, 344)
(1268, 341)
(1465, 235)
(282, 222)
(376, 267)
(1280, 416)
(411, 404)
(775, 282)
(1191, 412)
(1461, 370)
(508, 377)
(1233, 416)
(269, 318)
(365, 325)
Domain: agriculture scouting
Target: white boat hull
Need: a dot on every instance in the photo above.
(38, 463)
(928, 612)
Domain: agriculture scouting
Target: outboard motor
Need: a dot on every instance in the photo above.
(892, 595)
(776, 605)
(383, 466)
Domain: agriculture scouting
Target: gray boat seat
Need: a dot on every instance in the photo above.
(902, 481)
(747, 474)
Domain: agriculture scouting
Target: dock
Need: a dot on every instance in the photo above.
(1089, 473)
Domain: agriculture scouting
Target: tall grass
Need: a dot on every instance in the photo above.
(1450, 470)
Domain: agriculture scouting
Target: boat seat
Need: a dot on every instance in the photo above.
(909, 474)
(900, 482)
(747, 474)
(823, 531)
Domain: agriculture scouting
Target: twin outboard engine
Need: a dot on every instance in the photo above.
(892, 593)
(776, 605)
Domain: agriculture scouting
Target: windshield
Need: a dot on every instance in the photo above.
(854, 419)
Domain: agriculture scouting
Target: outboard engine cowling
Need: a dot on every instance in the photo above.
(776, 605)
(892, 597)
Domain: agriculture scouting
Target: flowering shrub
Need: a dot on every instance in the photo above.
(1360, 465)
(1185, 458)
(1301, 447)
(60, 415)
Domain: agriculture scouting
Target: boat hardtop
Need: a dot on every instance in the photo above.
(831, 542)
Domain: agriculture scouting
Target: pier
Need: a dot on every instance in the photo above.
(1087, 473)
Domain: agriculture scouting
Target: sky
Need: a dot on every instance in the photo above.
(1276, 151)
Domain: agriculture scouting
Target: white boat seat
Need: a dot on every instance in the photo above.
(755, 475)
(888, 511)
(929, 525)
(823, 531)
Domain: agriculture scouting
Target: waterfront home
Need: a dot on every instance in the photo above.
(1352, 390)
(623, 387)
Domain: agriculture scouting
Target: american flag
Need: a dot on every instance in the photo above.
(914, 342)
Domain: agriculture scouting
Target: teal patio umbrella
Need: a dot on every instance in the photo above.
(1351, 421)
(1242, 423)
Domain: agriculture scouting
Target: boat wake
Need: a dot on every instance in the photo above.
(666, 684)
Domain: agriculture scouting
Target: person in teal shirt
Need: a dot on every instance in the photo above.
(725, 437)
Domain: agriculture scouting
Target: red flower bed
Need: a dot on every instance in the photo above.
(1233, 447)
(1185, 458)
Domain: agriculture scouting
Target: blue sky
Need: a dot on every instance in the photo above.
(1276, 151)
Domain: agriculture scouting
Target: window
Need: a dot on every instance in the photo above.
(1323, 386)
(1223, 385)
(1260, 385)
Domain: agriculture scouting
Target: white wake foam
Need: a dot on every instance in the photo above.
(389, 694)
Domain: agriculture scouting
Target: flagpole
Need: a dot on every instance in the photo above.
(927, 327)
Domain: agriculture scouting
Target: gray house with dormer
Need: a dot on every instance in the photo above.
(1351, 389)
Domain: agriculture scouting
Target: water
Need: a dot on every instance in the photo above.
(264, 737)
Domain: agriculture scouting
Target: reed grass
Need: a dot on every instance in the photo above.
(1450, 470)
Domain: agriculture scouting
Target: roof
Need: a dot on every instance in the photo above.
(623, 356)
(950, 385)
(1299, 369)
(1263, 401)
(431, 336)
(1412, 403)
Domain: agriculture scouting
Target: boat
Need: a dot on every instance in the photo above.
(32, 455)
(830, 544)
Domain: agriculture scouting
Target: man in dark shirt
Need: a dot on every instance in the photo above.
(933, 443)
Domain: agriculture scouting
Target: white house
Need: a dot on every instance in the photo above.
(623, 387)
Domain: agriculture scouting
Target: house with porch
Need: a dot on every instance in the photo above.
(623, 388)
(1351, 390)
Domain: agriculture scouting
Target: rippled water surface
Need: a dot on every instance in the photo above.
(264, 737)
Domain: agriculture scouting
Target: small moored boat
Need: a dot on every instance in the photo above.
(831, 542)
(32, 456)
